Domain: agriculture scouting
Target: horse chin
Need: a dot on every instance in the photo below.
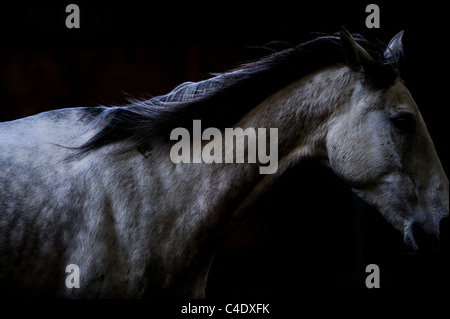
(417, 239)
(409, 240)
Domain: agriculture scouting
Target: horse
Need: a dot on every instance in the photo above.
(94, 189)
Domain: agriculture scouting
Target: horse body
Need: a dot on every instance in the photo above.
(128, 211)
(139, 225)
(111, 217)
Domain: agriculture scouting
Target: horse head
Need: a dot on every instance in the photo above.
(381, 147)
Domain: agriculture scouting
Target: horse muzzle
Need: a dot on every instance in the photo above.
(422, 241)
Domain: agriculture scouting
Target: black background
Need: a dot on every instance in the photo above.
(311, 236)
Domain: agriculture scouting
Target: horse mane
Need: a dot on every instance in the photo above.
(224, 99)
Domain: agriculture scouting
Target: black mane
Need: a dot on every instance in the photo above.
(224, 99)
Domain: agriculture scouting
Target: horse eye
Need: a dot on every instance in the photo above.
(404, 123)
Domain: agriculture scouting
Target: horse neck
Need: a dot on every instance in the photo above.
(217, 195)
(302, 112)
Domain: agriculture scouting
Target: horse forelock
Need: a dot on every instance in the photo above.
(222, 100)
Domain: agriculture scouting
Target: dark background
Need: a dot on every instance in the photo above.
(311, 234)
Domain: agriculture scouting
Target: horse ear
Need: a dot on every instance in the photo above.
(394, 50)
(354, 54)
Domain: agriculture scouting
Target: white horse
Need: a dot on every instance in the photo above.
(96, 187)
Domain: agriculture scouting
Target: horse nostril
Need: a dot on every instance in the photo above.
(424, 241)
(444, 233)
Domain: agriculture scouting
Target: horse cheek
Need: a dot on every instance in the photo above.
(344, 153)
